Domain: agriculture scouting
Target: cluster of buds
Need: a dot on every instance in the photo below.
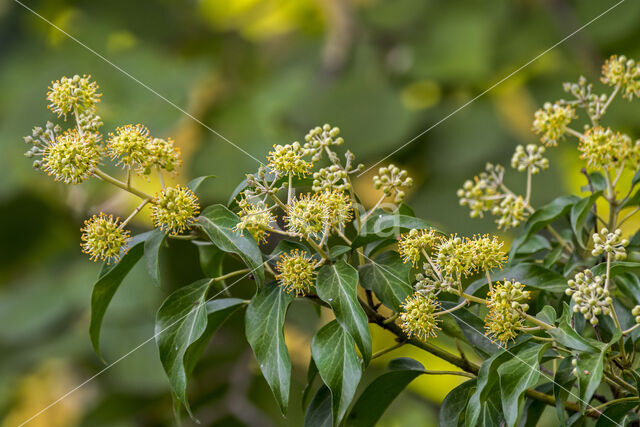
(104, 238)
(321, 139)
(289, 160)
(416, 242)
(307, 215)
(431, 282)
(636, 313)
(73, 95)
(418, 316)
(603, 148)
(511, 211)
(611, 243)
(295, 272)
(461, 256)
(506, 304)
(589, 295)
(529, 158)
(551, 122)
(622, 72)
(331, 178)
(585, 98)
(256, 218)
(174, 209)
(392, 180)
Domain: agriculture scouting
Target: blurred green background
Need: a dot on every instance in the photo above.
(259, 72)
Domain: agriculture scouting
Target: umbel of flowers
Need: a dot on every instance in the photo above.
(75, 151)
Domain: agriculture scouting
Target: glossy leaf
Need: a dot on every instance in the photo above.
(616, 268)
(218, 222)
(534, 276)
(516, 376)
(109, 280)
(383, 225)
(564, 334)
(318, 413)
(334, 353)
(196, 182)
(388, 277)
(454, 404)
(152, 247)
(589, 370)
(579, 214)
(337, 286)
(264, 325)
(618, 414)
(377, 397)
(562, 383)
(312, 373)
(472, 327)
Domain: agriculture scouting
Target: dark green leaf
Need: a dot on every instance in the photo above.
(598, 183)
(388, 277)
(264, 330)
(195, 183)
(536, 243)
(564, 334)
(334, 353)
(319, 411)
(377, 397)
(617, 268)
(579, 213)
(547, 315)
(516, 376)
(110, 278)
(472, 327)
(532, 275)
(152, 247)
(211, 259)
(454, 404)
(383, 224)
(337, 285)
(312, 373)
(562, 384)
(218, 222)
(336, 251)
(589, 370)
(618, 414)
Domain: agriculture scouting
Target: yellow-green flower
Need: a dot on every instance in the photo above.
(418, 316)
(72, 158)
(529, 158)
(488, 252)
(307, 215)
(103, 238)
(131, 145)
(414, 242)
(618, 70)
(481, 193)
(551, 122)
(505, 303)
(288, 159)
(512, 210)
(295, 272)
(338, 205)
(455, 256)
(164, 154)
(174, 209)
(589, 295)
(69, 94)
(257, 219)
(603, 148)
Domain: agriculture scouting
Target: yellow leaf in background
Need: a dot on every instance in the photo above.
(64, 21)
(421, 94)
(119, 41)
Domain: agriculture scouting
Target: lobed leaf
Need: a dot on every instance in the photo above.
(152, 247)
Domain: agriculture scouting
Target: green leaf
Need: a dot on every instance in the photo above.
(264, 330)
(589, 370)
(337, 286)
(542, 217)
(388, 277)
(319, 411)
(534, 276)
(182, 327)
(312, 373)
(562, 384)
(472, 327)
(617, 268)
(195, 183)
(516, 376)
(564, 334)
(337, 250)
(109, 280)
(377, 397)
(454, 404)
(382, 225)
(547, 315)
(334, 353)
(536, 243)
(211, 259)
(218, 222)
(579, 214)
(152, 247)
(618, 414)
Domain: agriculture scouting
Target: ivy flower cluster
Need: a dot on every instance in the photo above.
(418, 316)
(257, 219)
(604, 148)
(174, 209)
(296, 272)
(415, 243)
(623, 73)
(392, 181)
(530, 157)
(506, 304)
(289, 160)
(551, 122)
(75, 94)
(72, 157)
(104, 238)
(610, 243)
(589, 295)
(321, 139)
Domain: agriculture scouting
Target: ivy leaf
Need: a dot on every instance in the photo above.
(312, 373)
(547, 315)
(516, 376)
(218, 222)
(109, 280)
(152, 247)
(579, 214)
(264, 330)
(334, 353)
(454, 404)
(618, 267)
(337, 286)
(472, 326)
(388, 278)
(377, 397)
(589, 370)
(319, 411)
(532, 275)
(183, 330)
(382, 225)
(564, 334)
(195, 183)
(562, 383)
(337, 250)
(618, 414)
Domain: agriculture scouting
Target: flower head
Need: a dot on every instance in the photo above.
(307, 215)
(339, 206)
(72, 158)
(103, 238)
(618, 70)
(320, 139)
(392, 180)
(414, 242)
(131, 145)
(530, 158)
(481, 192)
(174, 209)
(418, 316)
(611, 243)
(257, 219)
(603, 148)
(589, 296)
(288, 159)
(296, 272)
(330, 178)
(511, 210)
(69, 94)
(551, 122)
(506, 303)
(488, 252)
(164, 154)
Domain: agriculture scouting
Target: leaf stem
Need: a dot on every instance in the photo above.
(386, 350)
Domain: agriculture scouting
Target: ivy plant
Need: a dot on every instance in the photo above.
(552, 321)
